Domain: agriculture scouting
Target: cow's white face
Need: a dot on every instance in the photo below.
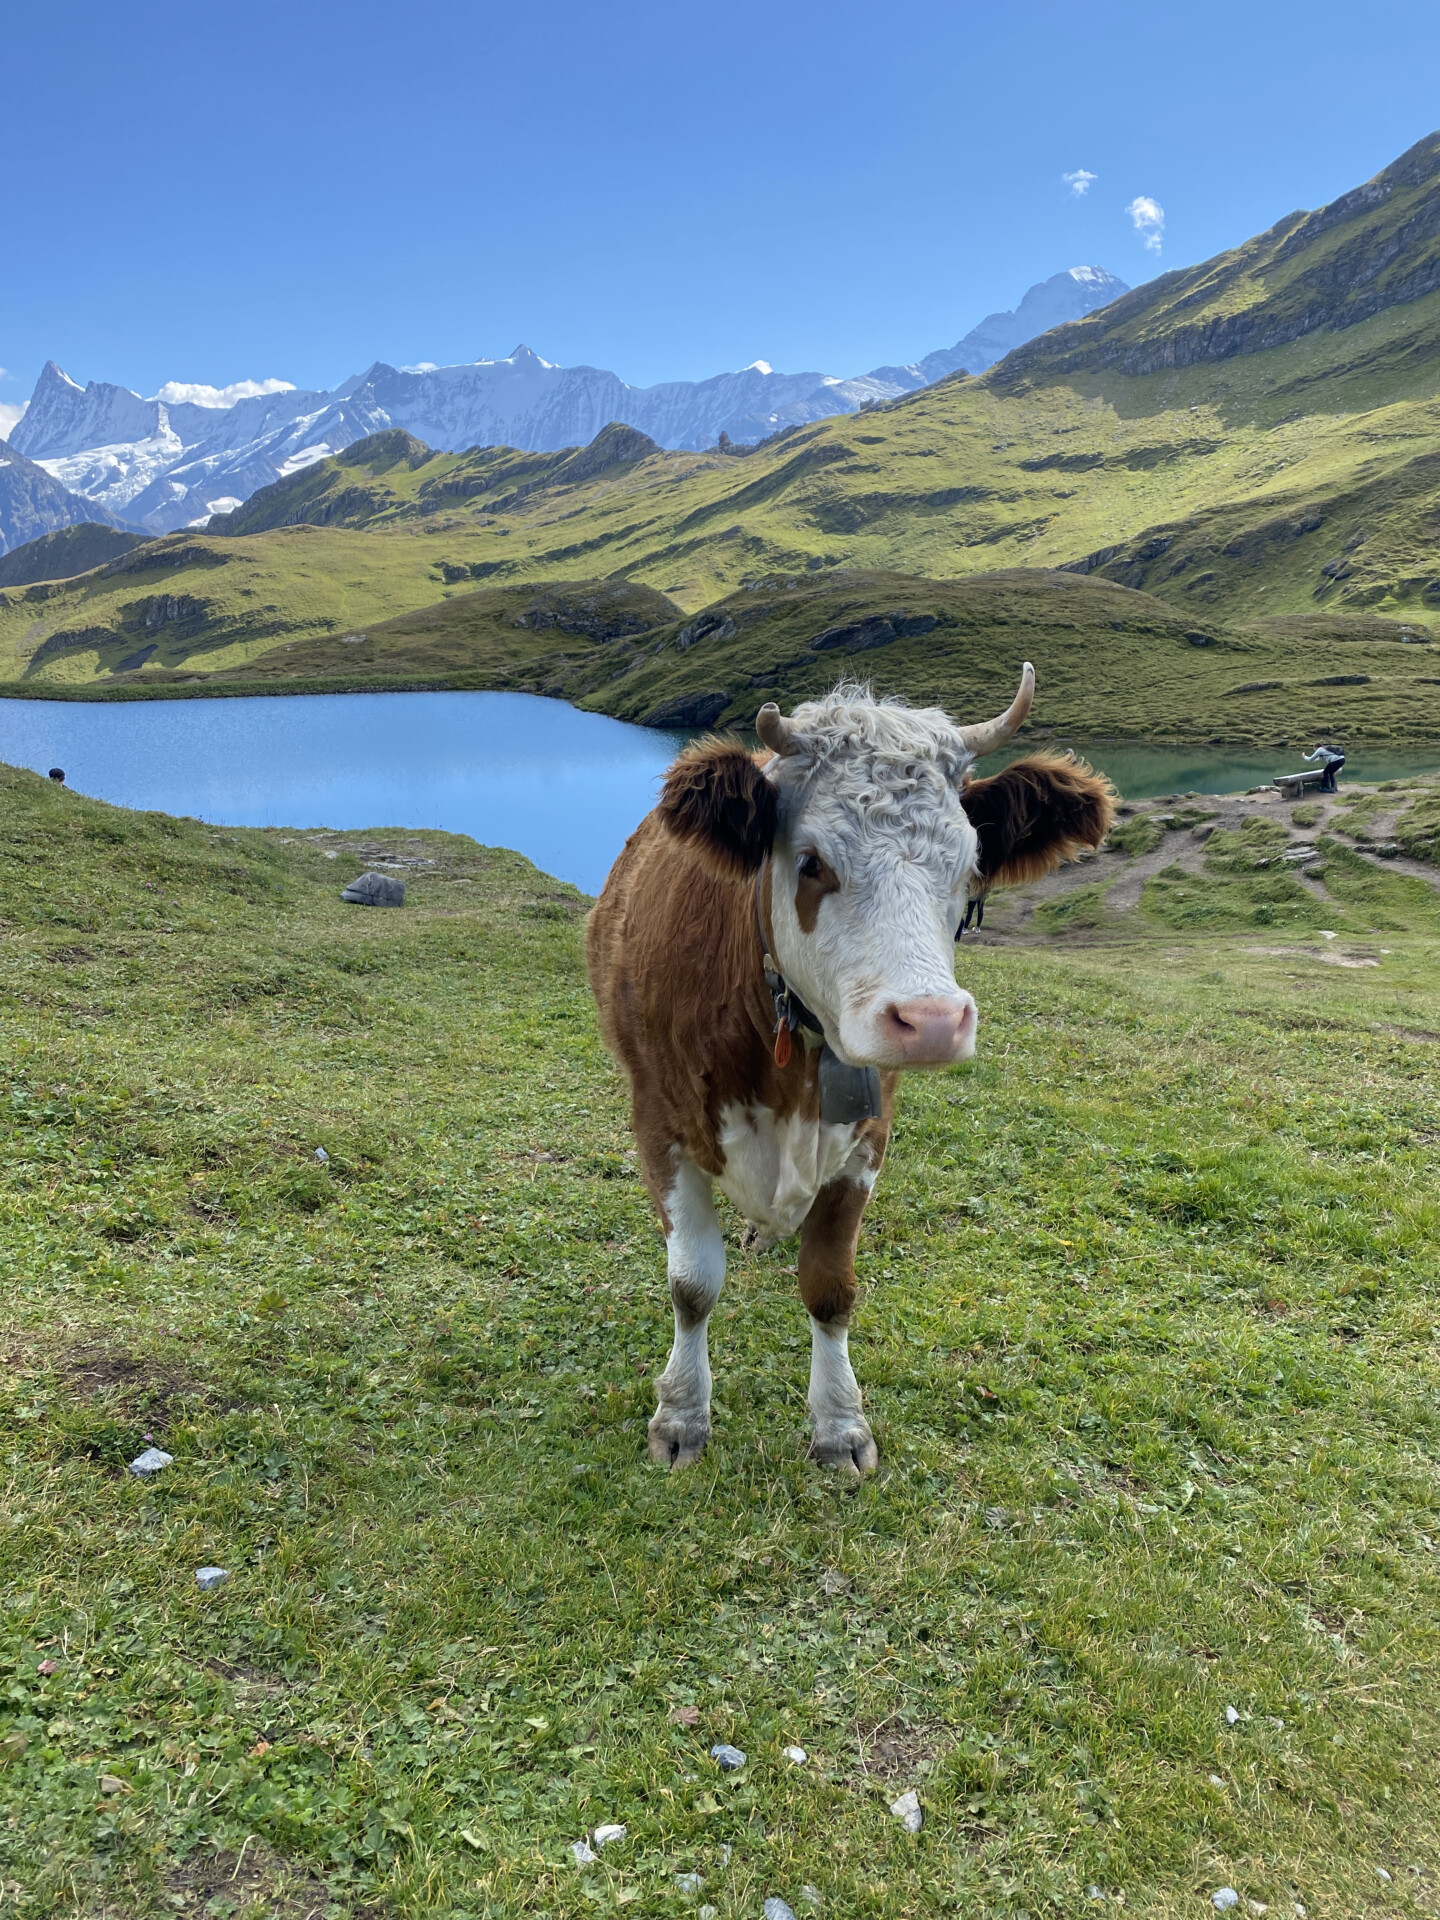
(871, 862)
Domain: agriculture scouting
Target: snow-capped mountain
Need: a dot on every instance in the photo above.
(1050, 303)
(190, 451)
(33, 502)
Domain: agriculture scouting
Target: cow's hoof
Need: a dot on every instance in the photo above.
(678, 1435)
(850, 1446)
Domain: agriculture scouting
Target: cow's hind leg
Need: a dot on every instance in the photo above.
(841, 1433)
(695, 1251)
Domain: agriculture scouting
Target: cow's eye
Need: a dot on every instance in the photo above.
(810, 866)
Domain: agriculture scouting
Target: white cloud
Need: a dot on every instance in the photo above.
(175, 392)
(10, 418)
(1148, 217)
(1079, 181)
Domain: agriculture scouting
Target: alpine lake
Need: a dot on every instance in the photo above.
(513, 770)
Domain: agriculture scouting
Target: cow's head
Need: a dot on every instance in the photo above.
(876, 837)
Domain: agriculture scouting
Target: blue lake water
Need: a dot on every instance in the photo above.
(510, 769)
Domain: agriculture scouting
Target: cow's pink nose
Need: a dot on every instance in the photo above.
(930, 1032)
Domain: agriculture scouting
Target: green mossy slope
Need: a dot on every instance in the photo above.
(1142, 1598)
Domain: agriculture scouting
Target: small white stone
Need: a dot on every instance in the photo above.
(797, 1756)
(150, 1461)
(689, 1882)
(1257, 1906)
(708, 1913)
(1094, 1893)
(208, 1578)
(612, 1830)
(777, 1909)
(1299, 1911)
(321, 1155)
(1224, 1898)
(729, 1759)
(1216, 1781)
(1380, 1874)
(1231, 1716)
(907, 1811)
(725, 1852)
(584, 1854)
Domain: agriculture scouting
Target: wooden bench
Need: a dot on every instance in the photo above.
(1292, 785)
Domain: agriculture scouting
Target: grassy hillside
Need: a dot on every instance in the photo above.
(63, 554)
(1143, 1597)
(1254, 442)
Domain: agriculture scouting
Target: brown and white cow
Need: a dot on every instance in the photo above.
(781, 923)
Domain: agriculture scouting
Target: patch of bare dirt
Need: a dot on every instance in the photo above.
(88, 1371)
(261, 1885)
(894, 1749)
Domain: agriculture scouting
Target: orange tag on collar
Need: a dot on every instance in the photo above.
(782, 1045)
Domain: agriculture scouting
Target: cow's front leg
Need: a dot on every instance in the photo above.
(695, 1252)
(841, 1433)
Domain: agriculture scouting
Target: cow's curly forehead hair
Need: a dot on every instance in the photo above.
(858, 763)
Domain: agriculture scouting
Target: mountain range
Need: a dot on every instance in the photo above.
(174, 459)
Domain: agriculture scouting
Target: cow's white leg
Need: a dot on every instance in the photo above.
(696, 1258)
(842, 1436)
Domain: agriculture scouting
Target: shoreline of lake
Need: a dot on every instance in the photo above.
(563, 786)
(136, 693)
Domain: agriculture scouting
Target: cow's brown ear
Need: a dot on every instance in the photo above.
(1036, 813)
(718, 802)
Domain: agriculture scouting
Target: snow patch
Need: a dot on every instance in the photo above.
(758, 366)
(306, 457)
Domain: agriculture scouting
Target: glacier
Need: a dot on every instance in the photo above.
(192, 450)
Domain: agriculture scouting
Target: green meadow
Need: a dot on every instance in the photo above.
(1142, 1602)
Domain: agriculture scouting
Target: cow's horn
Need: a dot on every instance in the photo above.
(775, 730)
(987, 735)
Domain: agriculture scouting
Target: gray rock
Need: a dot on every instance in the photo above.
(208, 1578)
(777, 1909)
(1224, 1898)
(689, 1882)
(613, 1830)
(375, 890)
(582, 1853)
(150, 1461)
(797, 1756)
(908, 1812)
(729, 1759)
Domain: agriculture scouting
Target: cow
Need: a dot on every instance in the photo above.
(774, 945)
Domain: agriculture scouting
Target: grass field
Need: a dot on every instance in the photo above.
(1142, 1600)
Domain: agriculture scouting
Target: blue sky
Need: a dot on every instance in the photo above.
(206, 193)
